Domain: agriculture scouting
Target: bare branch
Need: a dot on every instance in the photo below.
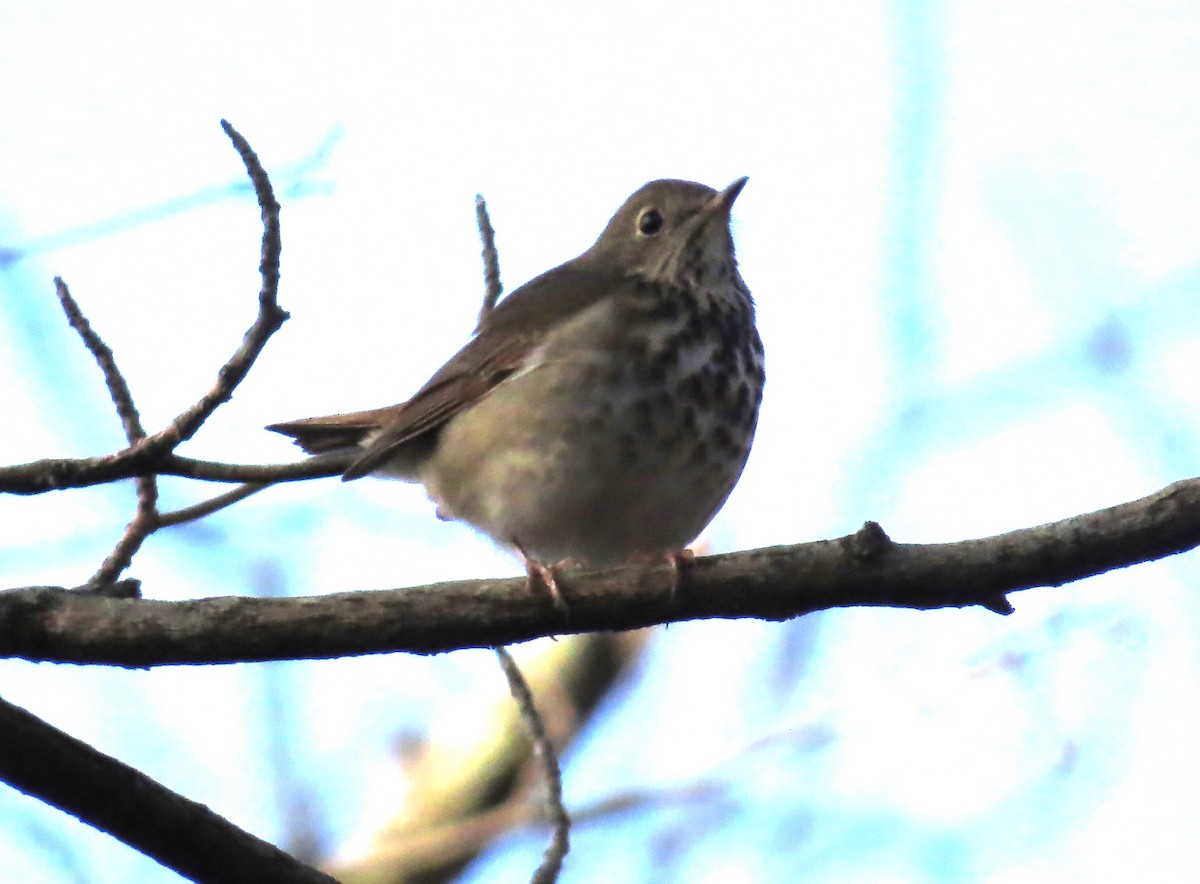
(149, 454)
(543, 749)
(145, 519)
(118, 389)
(56, 474)
(319, 466)
(144, 523)
(455, 805)
(270, 315)
(183, 835)
(776, 583)
(62, 771)
(210, 506)
(491, 259)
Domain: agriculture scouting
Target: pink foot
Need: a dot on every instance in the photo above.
(678, 559)
(535, 572)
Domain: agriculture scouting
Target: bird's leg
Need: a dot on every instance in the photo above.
(678, 559)
(544, 573)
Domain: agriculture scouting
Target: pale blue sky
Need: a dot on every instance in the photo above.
(973, 233)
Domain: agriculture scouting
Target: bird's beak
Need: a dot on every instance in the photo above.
(720, 204)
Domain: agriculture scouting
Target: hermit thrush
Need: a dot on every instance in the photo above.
(601, 411)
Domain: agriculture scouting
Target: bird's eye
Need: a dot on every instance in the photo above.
(650, 222)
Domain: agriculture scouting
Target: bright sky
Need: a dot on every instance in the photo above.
(973, 233)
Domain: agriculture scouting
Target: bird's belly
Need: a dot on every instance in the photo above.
(583, 459)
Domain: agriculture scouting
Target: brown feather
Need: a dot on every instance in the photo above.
(506, 337)
(317, 435)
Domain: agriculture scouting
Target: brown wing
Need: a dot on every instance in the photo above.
(505, 339)
(465, 379)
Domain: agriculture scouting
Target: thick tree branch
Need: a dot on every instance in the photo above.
(777, 583)
(46, 763)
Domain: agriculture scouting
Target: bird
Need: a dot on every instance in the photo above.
(601, 412)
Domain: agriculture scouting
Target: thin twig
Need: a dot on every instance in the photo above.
(153, 448)
(146, 453)
(69, 774)
(210, 506)
(185, 836)
(270, 315)
(319, 466)
(144, 523)
(552, 860)
(299, 178)
(491, 259)
(145, 518)
(152, 454)
(118, 389)
(543, 749)
(56, 474)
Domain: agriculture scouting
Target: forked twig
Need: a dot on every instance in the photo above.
(145, 518)
(160, 446)
(268, 321)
